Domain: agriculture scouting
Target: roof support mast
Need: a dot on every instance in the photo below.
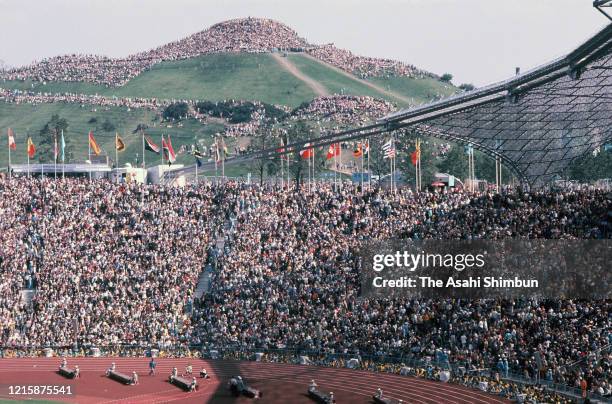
(601, 4)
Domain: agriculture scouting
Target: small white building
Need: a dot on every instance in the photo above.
(128, 174)
(156, 174)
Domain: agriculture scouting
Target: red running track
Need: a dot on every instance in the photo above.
(280, 383)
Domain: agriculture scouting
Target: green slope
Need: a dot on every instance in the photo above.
(246, 76)
(420, 90)
(334, 81)
(28, 119)
(417, 90)
(211, 77)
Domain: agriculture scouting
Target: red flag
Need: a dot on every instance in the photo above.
(281, 149)
(167, 146)
(11, 139)
(334, 150)
(358, 152)
(93, 144)
(150, 145)
(31, 149)
(416, 154)
(308, 152)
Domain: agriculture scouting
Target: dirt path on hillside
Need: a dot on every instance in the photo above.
(315, 86)
(364, 82)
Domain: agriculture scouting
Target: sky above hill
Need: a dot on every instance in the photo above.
(478, 41)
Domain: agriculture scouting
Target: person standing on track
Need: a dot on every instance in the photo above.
(152, 366)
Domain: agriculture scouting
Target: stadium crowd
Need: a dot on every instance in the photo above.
(104, 253)
(118, 264)
(290, 279)
(252, 35)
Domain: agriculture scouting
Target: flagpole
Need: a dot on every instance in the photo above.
(55, 151)
(9, 158)
(223, 160)
(144, 165)
(340, 160)
(314, 184)
(288, 159)
(216, 159)
(335, 166)
(362, 157)
(117, 159)
(89, 155)
(63, 157)
(369, 173)
(28, 153)
(282, 164)
(420, 168)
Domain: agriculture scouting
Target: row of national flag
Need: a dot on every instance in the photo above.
(388, 149)
(59, 150)
(362, 149)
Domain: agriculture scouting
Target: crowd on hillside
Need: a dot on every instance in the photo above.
(363, 66)
(344, 109)
(118, 263)
(237, 35)
(36, 98)
(338, 109)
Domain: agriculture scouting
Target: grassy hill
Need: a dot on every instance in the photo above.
(212, 77)
(419, 90)
(245, 76)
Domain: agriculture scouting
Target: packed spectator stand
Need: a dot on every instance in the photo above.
(117, 264)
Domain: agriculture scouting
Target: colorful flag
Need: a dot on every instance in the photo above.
(358, 152)
(55, 149)
(416, 154)
(93, 144)
(150, 145)
(119, 144)
(62, 147)
(388, 149)
(334, 150)
(31, 149)
(11, 139)
(168, 150)
(224, 147)
(308, 152)
(217, 151)
(197, 154)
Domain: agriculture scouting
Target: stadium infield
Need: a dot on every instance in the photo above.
(279, 383)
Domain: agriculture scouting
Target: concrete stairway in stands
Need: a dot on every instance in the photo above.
(27, 295)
